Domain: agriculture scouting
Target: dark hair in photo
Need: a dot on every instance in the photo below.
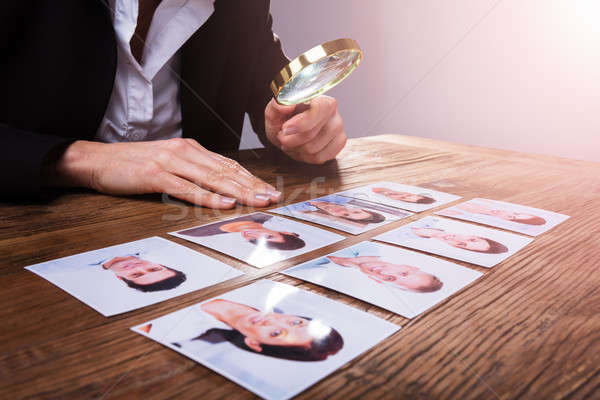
(165, 284)
(425, 200)
(374, 218)
(495, 247)
(434, 285)
(319, 349)
(290, 242)
(534, 220)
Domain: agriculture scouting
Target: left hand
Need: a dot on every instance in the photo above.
(314, 136)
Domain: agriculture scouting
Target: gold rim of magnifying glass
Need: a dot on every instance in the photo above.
(311, 56)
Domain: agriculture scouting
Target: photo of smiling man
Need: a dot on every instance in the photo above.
(131, 275)
(402, 281)
(466, 242)
(273, 339)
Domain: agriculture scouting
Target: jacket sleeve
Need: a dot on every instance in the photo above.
(271, 61)
(22, 157)
(22, 153)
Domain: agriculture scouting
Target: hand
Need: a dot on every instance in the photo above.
(313, 136)
(180, 167)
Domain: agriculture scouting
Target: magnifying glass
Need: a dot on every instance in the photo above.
(316, 71)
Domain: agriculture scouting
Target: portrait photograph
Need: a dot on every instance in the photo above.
(132, 275)
(271, 338)
(344, 213)
(466, 242)
(259, 239)
(513, 217)
(412, 198)
(399, 280)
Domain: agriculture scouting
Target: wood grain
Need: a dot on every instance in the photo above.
(530, 328)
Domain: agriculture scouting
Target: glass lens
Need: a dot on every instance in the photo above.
(319, 77)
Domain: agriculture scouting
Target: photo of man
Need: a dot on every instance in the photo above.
(131, 275)
(405, 277)
(344, 213)
(144, 275)
(402, 281)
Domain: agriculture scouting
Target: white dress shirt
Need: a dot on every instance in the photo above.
(144, 104)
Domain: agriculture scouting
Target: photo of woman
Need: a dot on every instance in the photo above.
(412, 198)
(471, 243)
(259, 239)
(514, 217)
(344, 213)
(273, 339)
(462, 241)
(404, 196)
(273, 334)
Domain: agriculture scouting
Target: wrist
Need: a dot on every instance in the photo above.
(70, 166)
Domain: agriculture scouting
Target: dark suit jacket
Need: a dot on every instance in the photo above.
(58, 68)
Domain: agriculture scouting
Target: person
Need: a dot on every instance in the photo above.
(142, 96)
(403, 196)
(522, 218)
(144, 275)
(405, 277)
(348, 212)
(252, 229)
(273, 334)
(466, 242)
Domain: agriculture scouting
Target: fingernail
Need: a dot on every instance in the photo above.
(227, 200)
(274, 193)
(290, 130)
(262, 197)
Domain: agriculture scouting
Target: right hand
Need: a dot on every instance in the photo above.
(181, 168)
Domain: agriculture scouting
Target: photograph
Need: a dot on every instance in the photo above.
(273, 339)
(259, 239)
(466, 242)
(402, 281)
(132, 275)
(412, 198)
(513, 217)
(344, 213)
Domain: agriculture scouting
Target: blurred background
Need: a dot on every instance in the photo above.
(513, 74)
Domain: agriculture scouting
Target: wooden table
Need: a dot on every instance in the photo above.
(529, 328)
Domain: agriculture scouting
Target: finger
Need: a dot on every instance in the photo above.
(192, 152)
(275, 115)
(165, 182)
(330, 151)
(251, 192)
(303, 127)
(331, 129)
